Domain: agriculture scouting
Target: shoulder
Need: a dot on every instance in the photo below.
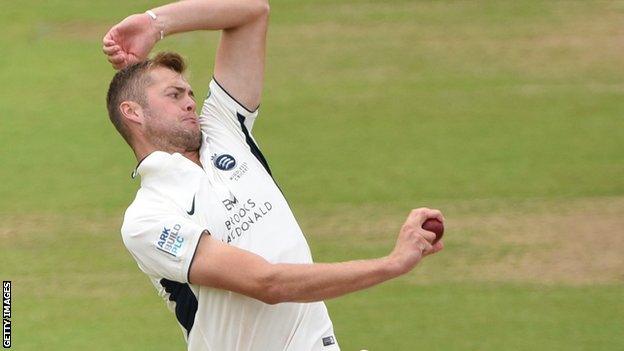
(146, 207)
(220, 109)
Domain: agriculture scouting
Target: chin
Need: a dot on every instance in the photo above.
(197, 140)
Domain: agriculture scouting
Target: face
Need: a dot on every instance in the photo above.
(170, 118)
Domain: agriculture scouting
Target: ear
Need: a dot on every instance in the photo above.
(132, 111)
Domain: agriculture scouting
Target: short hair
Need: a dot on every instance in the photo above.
(129, 84)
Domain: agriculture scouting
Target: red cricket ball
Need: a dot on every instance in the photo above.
(434, 225)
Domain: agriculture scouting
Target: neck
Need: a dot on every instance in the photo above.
(142, 150)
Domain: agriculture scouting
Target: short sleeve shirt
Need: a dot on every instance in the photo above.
(236, 199)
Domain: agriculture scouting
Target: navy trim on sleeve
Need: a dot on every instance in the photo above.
(188, 273)
(233, 98)
(186, 302)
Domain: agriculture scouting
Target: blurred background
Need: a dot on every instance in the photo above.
(508, 116)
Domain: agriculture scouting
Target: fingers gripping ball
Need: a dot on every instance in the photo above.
(434, 225)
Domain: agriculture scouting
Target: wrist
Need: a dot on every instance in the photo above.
(392, 266)
(156, 24)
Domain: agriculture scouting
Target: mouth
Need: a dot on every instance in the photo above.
(192, 119)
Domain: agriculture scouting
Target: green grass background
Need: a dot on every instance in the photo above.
(390, 104)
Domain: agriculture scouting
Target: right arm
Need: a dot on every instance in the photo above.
(239, 62)
(226, 267)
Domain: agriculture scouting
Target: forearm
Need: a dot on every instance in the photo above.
(190, 15)
(321, 281)
(222, 266)
(226, 267)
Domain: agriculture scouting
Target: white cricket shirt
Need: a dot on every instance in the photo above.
(235, 198)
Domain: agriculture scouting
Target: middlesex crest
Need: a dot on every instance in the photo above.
(224, 162)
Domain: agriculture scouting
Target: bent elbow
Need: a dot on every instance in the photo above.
(273, 294)
(262, 8)
(270, 291)
(271, 298)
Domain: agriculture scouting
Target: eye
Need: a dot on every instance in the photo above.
(174, 95)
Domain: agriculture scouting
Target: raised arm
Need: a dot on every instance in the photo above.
(239, 64)
(226, 267)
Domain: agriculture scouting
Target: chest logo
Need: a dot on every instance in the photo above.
(192, 207)
(225, 162)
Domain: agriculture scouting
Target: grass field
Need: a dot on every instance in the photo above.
(509, 116)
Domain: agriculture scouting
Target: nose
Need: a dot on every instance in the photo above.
(189, 104)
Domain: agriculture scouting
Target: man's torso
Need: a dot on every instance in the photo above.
(235, 198)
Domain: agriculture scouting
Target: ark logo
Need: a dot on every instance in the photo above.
(170, 241)
(225, 162)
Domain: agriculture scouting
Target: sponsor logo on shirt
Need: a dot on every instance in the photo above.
(170, 241)
(329, 340)
(230, 203)
(192, 211)
(243, 216)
